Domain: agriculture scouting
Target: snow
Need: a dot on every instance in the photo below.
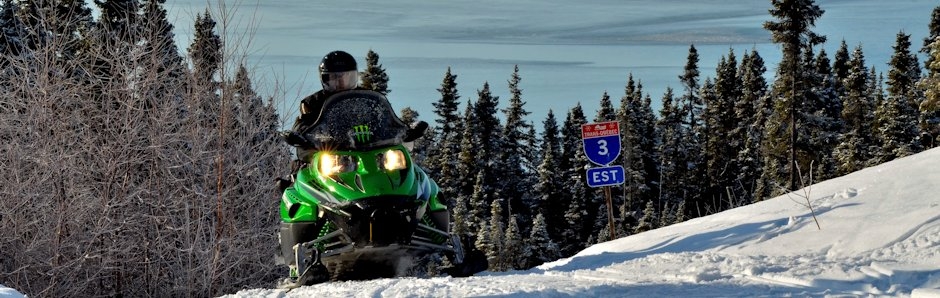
(879, 236)
(9, 293)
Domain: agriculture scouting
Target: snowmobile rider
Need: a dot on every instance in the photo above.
(338, 72)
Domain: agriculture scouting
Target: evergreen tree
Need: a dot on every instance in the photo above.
(841, 68)
(206, 51)
(680, 213)
(931, 104)
(550, 188)
(896, 117)
(373, 77)
(487, 139)
(467, 163)
(930, 115)
(691, 134)
(672, 150)
(854, 152)
(496, 252)
(539, 246)
(478, 202)
(829, 116)
(667, 217)
(118, 17)
(443, 156)
(648, 220)
(932, 35)
(632, 128)
(751, 110)
(791, 30)
(514, 178)
(513, 245)
(721, 120)
(606, 111)
(11, 30)
(446, 107)
(580, 213)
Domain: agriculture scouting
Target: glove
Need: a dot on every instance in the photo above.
(416, 132)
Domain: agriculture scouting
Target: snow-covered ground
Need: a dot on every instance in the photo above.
(879, 236)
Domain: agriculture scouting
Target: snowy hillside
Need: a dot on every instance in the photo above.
(880, 236)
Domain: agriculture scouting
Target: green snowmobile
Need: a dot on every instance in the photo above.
(360, 207)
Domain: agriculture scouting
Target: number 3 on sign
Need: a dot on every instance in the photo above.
(602, 147)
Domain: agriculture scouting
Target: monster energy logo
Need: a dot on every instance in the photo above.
(362, 133)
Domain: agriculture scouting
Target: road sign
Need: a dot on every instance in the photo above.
(605, 176)
(601, 141)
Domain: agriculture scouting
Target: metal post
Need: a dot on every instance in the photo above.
(610, 213)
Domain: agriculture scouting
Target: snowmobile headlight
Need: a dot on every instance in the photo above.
(393, 160)
(332, 164)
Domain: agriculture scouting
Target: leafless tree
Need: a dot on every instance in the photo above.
(121, 176)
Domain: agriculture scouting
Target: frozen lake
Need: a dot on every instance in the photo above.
(567, 52)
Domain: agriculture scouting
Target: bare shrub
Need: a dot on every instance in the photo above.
(123, 177)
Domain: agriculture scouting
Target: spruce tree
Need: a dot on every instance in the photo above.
(539, 246)
(648, 220)
(496, 252)
(931, 104)
(635, 186)
(896, 117)
(672, 150)
(933, 33)
(11, 31)
(467, 161)
(118, 17)
(841, 68)
(513, 245)
(645, 123)
(583, 201)
(206, 51)
(853, 151)
(691, 134)
(721, 120)
(606, 111)
(373, 77)
(751, 111)
(487, 138)
(550, 188)
(515, 179)
(479, 201)
(447, 132)
(792, 30)
(829, 115)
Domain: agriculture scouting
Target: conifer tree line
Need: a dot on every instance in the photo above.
(130, 169)
(721, 141)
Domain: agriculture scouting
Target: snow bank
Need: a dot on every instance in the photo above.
(9, 293)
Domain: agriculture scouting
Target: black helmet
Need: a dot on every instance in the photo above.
(337, 61)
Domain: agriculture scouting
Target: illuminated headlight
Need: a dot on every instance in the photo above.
(332, 164)
(393, 160)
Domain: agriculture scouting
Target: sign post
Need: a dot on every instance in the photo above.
(602, 147)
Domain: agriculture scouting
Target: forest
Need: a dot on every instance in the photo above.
(135, 168)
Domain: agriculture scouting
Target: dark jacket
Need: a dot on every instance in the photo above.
(310, 108)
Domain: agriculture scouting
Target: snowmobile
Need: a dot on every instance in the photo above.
(359, 207)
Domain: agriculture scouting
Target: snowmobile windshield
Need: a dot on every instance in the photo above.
(356, 120)
(338, 81)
